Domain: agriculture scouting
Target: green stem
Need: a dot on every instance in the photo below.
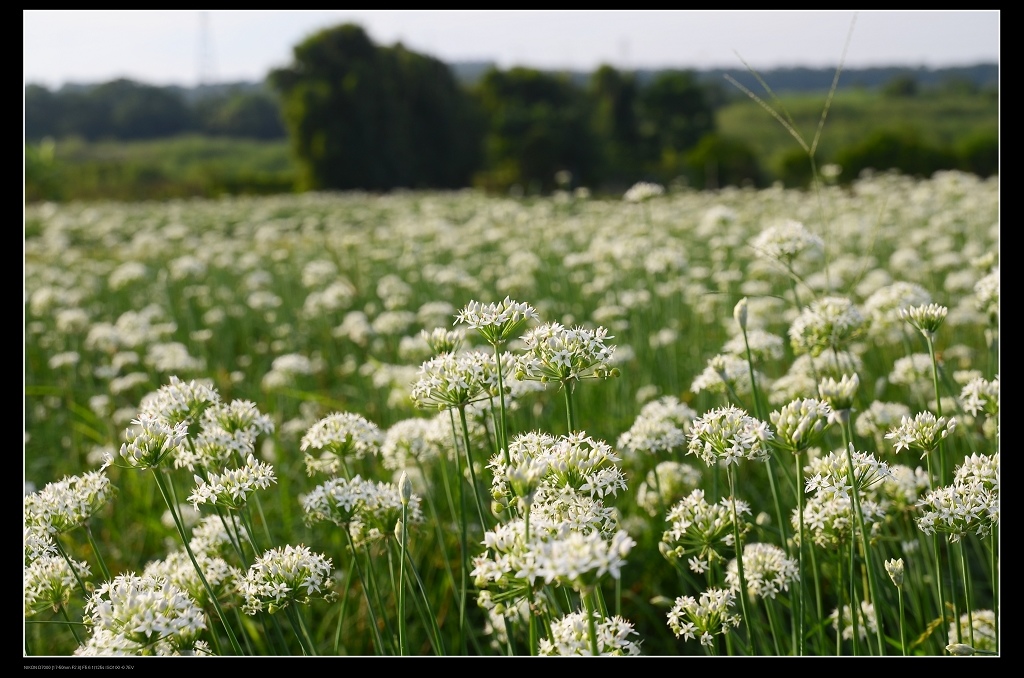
(71, 564)
(173, 508)
(738, 545)
(99, 555)
(341, 613)
(903, 632)
(71, 624)
(472, 471)
(301, 632)
(869, 562)
(366, 593)
(590, 607)
(502, 433)
(570, 412)
(967, 593)
(800, 552)
(402, 640)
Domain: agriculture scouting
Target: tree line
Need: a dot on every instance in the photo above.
(364, 116)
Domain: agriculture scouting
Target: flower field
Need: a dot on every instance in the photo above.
(730, 423)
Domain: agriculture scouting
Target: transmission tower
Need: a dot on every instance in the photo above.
(207, 70)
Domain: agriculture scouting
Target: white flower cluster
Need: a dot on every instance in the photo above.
(231, 489)
(642, 191)
(452, 380)
(923, 432)
(513, 562)
(665, 484)
(138, 614)
(338, 436)
(570, 636)
(498, 322)
(151, 440)
(179, 401)
(969, 505)
(368, 509)
(763, 345)
(692, 618)
(986, 293)
(827, 323)
(562, 354)
(177, 568)
(226, 431)
(725, 372)
(767, 570)
(661, 426)
(986, 636)
(801, 423)
(69, 503)
(285, 575)
(981, 395)
(927, 318)
(829, 474)
(867, 622)
(701, 530)
(829, 518)
(49, 582)
(785, 241)
(727, 434)
(840, 394)
(408, 442)
(562, 480)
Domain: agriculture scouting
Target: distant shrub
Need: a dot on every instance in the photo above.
(900, 150)
(719, 161)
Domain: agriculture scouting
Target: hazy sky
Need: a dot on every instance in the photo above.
(184, 47)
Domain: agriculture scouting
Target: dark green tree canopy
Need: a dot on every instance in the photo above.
(374, 118)
(539, 126)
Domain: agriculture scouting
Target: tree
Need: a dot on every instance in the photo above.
(616, 126)
(675, 112)
(718, 161)
(538, 127)
(136, 111)
(243, 114)
(373, 118)
(892, 149)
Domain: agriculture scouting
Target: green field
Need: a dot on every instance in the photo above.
(209, 167)
(595, 402)
(852, 115)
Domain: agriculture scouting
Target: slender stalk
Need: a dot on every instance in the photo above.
(800, 643)
(862, 530)
(903, 632)
(731, 474)
(70, 624)
(967, 593)
(590, 607)
(99, 554)
(71, 564)
(472, 471)
(341, 613)
(173, 508)
(366, 593)
(301, 632)
(570, 412)
(402, 639)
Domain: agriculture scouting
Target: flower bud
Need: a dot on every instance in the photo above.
(405, 488)
(895, 569)
(960, 649)
(739, 312)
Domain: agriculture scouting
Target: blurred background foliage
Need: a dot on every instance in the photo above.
(348, 114)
